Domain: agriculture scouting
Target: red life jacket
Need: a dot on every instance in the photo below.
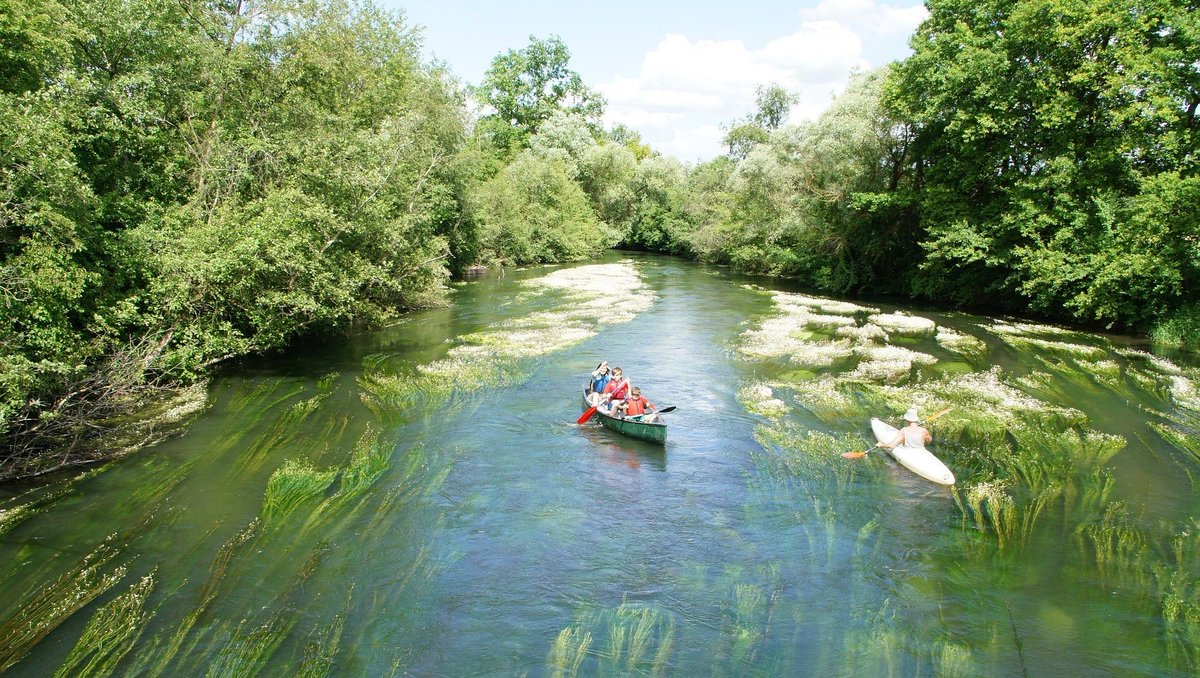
(617, 388)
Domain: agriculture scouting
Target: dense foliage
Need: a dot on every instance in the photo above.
(181, 182)
(1037, 156)
(188, 181)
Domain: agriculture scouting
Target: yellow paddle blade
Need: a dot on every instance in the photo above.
(854, 455)
(936, 415)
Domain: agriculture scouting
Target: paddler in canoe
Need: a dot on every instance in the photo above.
(639, 408)
(611, 396)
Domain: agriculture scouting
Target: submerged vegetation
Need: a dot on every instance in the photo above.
(1027, 466)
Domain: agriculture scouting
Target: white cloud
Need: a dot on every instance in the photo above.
(880, 24)
(686, 88)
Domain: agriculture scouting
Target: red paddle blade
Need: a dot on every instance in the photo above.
(587, 414)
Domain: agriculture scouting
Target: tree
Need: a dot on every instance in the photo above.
(532, 211)
(741, 138)
(183, 182)
(525, 87)
(773, 103)
(1040, 126)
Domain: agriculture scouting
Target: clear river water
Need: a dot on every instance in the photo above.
(419, 500)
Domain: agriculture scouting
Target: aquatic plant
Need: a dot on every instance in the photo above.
(1118, 547)
(784, 337)
(323, 643)
(904, 324)
(635, 631)
(1188, 441)
(1089, 494)
(963, 344)
(1005, 327)
(248, 649)
(291, 485)
(632, 640)
(20, 508)
(891, 364)
(757, 398)
(569, 650)
(835, 306)
(805, 456)
(992, 507)
(39, 613)
(1047, 455)
(825, 398)
(868, 333)
(159, 654)
(1058, 348)
(954, 660)
(368, 462)
(110, 634)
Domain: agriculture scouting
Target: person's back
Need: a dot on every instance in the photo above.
(915, 435)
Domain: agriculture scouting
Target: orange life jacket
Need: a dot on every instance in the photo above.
(637, 405)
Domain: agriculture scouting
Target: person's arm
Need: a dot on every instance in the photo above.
(897, 441)
(928, 436)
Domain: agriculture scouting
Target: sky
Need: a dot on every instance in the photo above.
(676, 71)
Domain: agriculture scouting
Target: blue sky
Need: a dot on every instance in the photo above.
(675, 71)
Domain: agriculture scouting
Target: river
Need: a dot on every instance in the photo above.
(418, 500)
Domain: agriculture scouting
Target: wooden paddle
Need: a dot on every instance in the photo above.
(860, 455)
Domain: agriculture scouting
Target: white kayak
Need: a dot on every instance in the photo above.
(916, 459)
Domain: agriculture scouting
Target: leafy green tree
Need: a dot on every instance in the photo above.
(773, 103)
(525, 87)
(656, 221)
(1042, 127)
(187, 181)
(605, 175)
(566, 136)
(533, 211)
(741, 138)
(631, 139)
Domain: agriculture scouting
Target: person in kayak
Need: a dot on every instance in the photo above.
(913, 435)
(638, 406)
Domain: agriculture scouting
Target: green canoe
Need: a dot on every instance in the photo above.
(642, 430)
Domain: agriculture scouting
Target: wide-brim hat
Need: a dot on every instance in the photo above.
(911, 415)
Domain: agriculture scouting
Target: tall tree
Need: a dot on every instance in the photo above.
(773, 102)
(525, 87)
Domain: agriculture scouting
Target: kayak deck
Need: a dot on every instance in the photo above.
(916, 459)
